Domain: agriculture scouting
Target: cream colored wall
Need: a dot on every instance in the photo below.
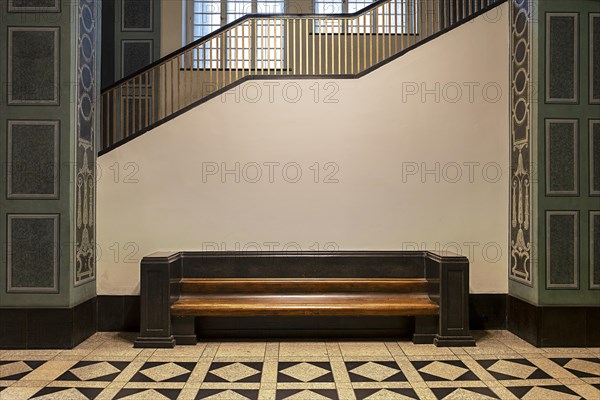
(151, 194)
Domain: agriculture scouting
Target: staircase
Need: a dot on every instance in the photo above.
(276, 46)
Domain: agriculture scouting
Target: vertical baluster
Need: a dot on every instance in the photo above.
(364, 35)
(326, 53)
(146, 102)
(388, 28)
(286, 43)
(294, 55)
(356, 39)
(190, 66)
(424, 10)
(403, 31)
(411, 22)
(347, 52)
(288, 35)
(339, 45)
(139, 99)
(205, 71)
(261, 46)
(113, 133)
(369, 32)
(150, 89)
(185, 79)
(106, 109)
(172, 86)
(222, 44)
(120, 113)
(214, 51)
(314, 46)
(418, 19)
(126, 131)
(165, 94)
(103, 116)
(375, 31)
(196, 69)
(284, 51)
(396, 39)
(133, 104)
(178, 76)
(229, 56)
(306, 46)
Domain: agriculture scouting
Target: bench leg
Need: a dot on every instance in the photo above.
(425, 329)
(184, 330)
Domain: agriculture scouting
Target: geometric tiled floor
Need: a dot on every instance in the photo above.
(106, 366)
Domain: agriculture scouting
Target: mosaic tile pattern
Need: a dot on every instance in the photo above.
(106, 366)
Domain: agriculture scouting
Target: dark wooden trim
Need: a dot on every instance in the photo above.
(554, 326)
(47, 328)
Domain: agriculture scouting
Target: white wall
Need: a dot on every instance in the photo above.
(375, 134)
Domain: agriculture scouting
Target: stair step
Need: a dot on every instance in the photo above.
(301, 285)
(323, 304)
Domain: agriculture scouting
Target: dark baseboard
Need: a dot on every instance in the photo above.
(487, 311)
(554, 326)
(122, 313)
(118, 313)
(47, 328)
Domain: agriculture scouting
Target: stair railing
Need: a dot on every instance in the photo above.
(259, 45)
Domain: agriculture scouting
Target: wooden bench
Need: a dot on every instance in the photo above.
(180, 286)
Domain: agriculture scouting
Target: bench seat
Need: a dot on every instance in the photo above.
(322, 304)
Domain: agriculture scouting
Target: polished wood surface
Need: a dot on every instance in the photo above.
(325, 304)
(301, 285)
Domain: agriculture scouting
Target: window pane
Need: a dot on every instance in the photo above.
(206, 17)
(237, 9)
(270, 6)
(328, 7)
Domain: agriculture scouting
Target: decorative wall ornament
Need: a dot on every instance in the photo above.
(520, 200)
(85, 265)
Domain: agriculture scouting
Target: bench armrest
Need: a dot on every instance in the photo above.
(160, 276)
(448, 283)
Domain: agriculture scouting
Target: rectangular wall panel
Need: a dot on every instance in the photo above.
(136, 15)
(33, 5)
(135, 54)
(33, 159)
(562, 57)
(594, 157)
(562, 157)
(33, 65)
(594, 249)
(594, 58)
(32, 253)
(562, 248)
